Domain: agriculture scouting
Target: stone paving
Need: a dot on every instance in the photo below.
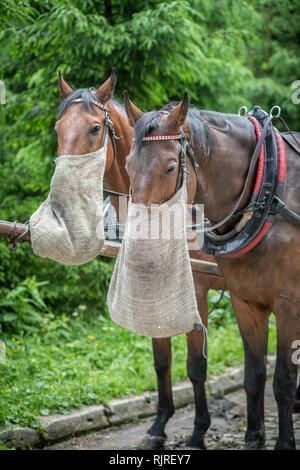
(228, 415)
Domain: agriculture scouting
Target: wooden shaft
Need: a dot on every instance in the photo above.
(6, 230)
(109, 249)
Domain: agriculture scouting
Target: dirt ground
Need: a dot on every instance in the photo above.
(228, 424)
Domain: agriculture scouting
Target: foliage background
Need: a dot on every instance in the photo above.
(225, 53)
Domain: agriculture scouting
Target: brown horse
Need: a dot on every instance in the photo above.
(261, 281)
(80, 130)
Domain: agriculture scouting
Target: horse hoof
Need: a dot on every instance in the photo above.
(254, 445)
(152, 443)
(296, 406)
(255, 439)
(285, 444)
(195, 444)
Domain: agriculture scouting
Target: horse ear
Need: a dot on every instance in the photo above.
(105, 92)
(132, 111)
(64, 89)
(177, 116)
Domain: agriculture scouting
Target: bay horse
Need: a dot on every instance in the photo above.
(79, 130)
(263, 280)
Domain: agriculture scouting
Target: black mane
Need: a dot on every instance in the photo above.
(201, 135)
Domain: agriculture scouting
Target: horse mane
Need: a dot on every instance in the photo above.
(202, 136)
(86, 95)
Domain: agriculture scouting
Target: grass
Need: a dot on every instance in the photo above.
(74, 361)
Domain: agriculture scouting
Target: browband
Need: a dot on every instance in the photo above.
(163, 137)
(95, 102)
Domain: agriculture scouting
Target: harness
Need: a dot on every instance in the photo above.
(266, 200)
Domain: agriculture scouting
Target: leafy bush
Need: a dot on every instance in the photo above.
(22, 307)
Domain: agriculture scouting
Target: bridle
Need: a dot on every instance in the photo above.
(108, 124)
(186, 149)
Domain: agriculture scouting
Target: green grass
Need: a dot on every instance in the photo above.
(73, 362)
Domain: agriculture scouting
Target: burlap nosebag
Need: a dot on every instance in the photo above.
(152, 290)
(68, 226)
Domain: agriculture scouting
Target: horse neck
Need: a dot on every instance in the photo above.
(222, 176)
(116, 178)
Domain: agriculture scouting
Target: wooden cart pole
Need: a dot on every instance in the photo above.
(110, 248)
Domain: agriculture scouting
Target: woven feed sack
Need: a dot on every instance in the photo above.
(68, 226)
(152, 289)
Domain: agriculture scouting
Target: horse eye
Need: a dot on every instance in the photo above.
(95, 129)
(170, 169)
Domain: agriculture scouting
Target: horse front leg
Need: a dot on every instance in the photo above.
(197, 366)
(162, 364)
(253, 325)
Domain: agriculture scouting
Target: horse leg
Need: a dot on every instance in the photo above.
(285, 378)
(162, 364)
(253, 325)
(197, 368)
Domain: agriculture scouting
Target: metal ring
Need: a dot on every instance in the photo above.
(243, 108)
(278, 113)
